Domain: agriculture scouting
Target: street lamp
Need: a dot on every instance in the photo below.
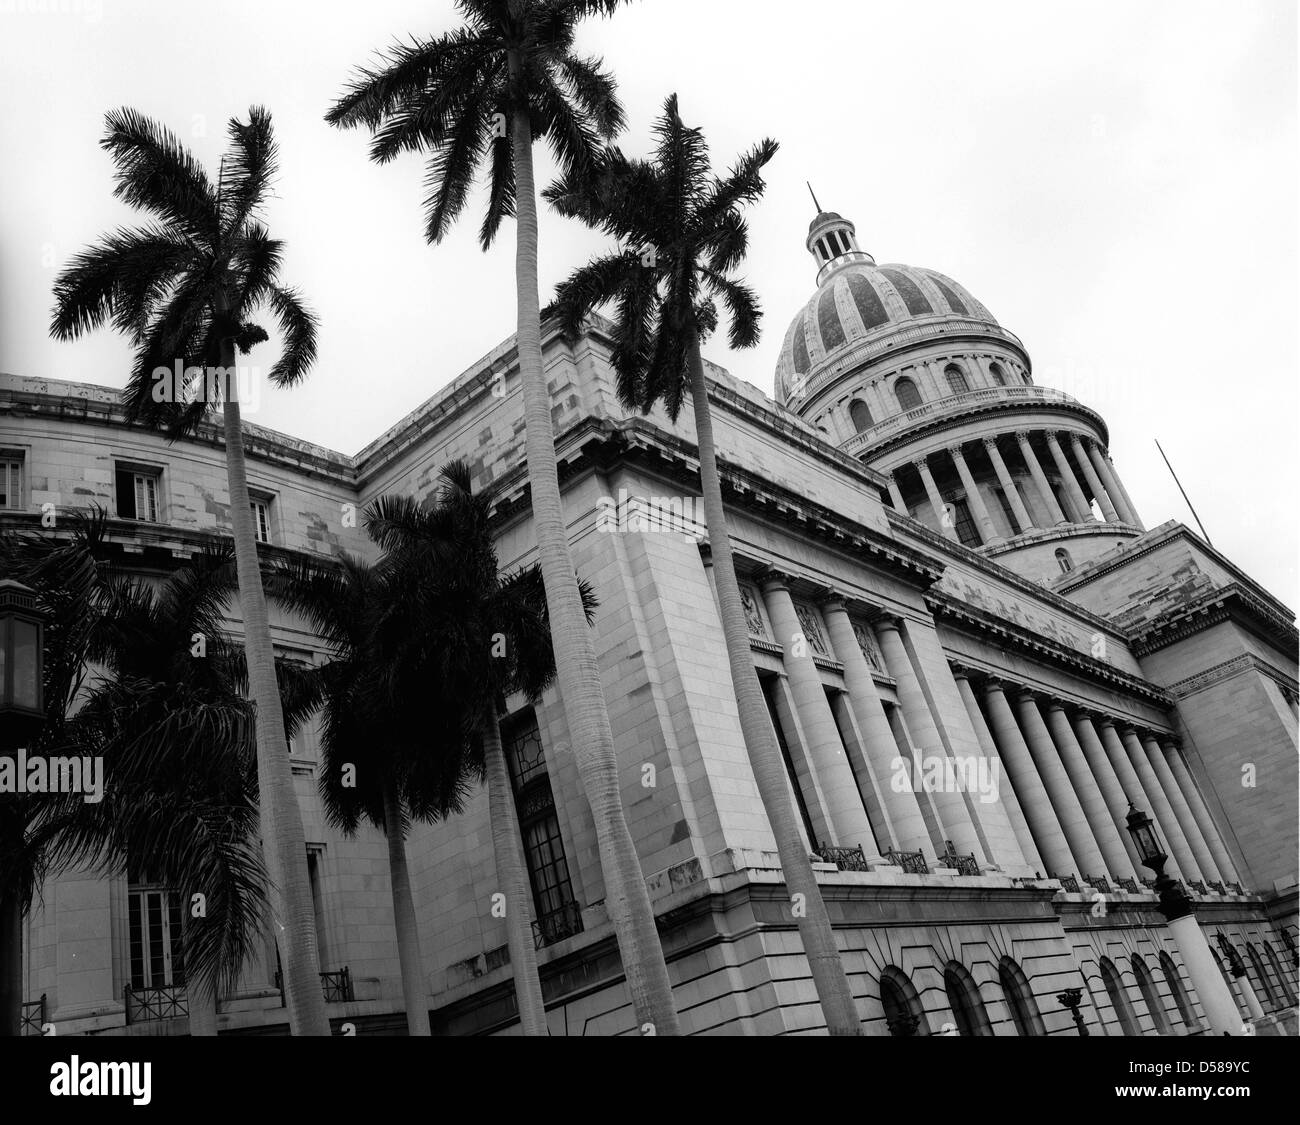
(22, 660)
(1176, 905)
(1070, 1000)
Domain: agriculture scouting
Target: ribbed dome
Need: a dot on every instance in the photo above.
(861, 301)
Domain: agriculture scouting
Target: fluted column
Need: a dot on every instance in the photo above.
(1064, 799)
(1134, 518)
(839, 786)
(1133, 786)
(1068, 479)
(1179, 852)
(896, 495)
(1094, 482)
(1182, 813)
(1210, 830)
(1036, 805)
(951, 807)
(988, 532)
(1008, 485)
(1108, 479)
(936, 501)
(1112, 792)
(1040, 478)
(903, 811)
(1006, 790)
(1089, 793)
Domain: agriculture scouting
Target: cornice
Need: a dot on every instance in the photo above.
(1231, 602)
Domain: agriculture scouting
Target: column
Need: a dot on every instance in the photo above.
(1006, 791)
(1035, 803)
(1208, 980)
(1040, 478)
(902, 808)
(1088, 792)
(844, 421)
(988, 532)
(1117, 495)
(1179, 853)
(951, 807)
(1008, 485)
(1068, 479)
(895, 494)
(839, 786)
(1112, 792)
(1183, 775)
(1132, 787)
(1182, 813)
(1064, 799)
(1094, 482)
(1119, 486)
(936, 501)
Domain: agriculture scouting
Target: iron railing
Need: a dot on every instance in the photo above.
(1069, 883)
(336, 986)
(1237, 888)
(964, 864)
(1128, 884)
(846, 859)
(1216, 886)
(1197, 886)
(1098, 882)
(558, 924)
(33, 1016)
(911, 862)
(166, 1002)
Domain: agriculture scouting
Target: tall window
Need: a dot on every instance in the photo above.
(964, 1000)
(909, 397)
(1020, 998)
(11, 480)
(154, 933)
(999, 376)
(1119, 998)
(558, 915)
(137, 494)
(957, 383)
(1063, 560)
(860, 415)
(261, 509)
(1175, 981)
(1151, 994)
(1273, 960)
(1007, 511)
(904, 1014)
(1260, 972)
(964, 524)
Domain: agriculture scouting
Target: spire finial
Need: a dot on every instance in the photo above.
(814, 197)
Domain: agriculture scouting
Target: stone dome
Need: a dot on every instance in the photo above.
(861, 302)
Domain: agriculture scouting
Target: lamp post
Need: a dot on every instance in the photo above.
(1070, 1000)
(1216, 999)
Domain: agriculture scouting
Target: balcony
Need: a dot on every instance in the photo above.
(166, 1002)
(33, 1017)
(336, 985)
(845, 859)
(557, 925)
(952, 405)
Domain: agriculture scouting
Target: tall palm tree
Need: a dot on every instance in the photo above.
(665, 304)
(489, 89)
(446, 565)
(176, 737)
(183, 289)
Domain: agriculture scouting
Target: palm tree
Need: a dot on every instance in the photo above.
(176, 737)
(183, 290)
(665, 304)
(490, 89)
(446, 563)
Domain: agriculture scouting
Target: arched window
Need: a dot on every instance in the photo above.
(860, 415)
(908, 396)
(1118, 998)
(964, 1000)
(1151, 994)
(999, 376)
(1264, 979)
(957, 383)
(1020, 998)
(1175, 981)
(904, 1014)
(1274, 960)
(1063, 560)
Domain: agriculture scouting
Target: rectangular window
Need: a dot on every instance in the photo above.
(155, 938)
(965, 525)
(11, 481)
(138, 494)
(261, 519)
(1007, 511)
(548, 870)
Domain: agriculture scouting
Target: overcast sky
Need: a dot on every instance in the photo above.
(1116, 181)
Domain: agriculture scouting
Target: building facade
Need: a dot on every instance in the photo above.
(975, 655)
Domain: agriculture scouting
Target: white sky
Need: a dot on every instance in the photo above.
(1116, 181)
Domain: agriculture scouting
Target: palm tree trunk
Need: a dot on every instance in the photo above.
(509, 849)
(11, 965)
(626, 897)
(764, 754)
(283, 841)
(408, 930)
(201, 998)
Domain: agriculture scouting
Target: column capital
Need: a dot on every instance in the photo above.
(955, 449)
(989, 442)
(921, 464)
(1101, 719)
(1056, 703)
(1055, 435)
(1022, 436)
(769, 578)
(960, 672)
(887, 621)
(827, 597)
(998, 684)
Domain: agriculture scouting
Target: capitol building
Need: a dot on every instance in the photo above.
(978, 652)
